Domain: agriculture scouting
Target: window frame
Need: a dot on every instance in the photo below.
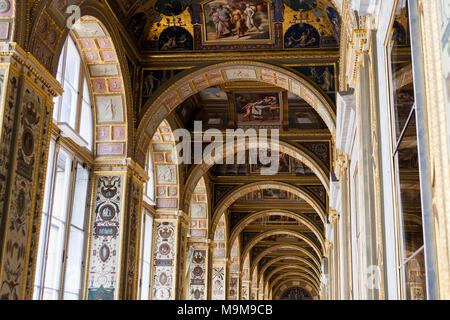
(65, 138)
(395, 143)
(69, 202)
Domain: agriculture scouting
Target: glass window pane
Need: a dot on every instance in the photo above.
(69, 105)
(146, 256)
(86, 125)
(80, 197)
(74, 268)
(401, 73)
(145, 293)
(50, 294)
(62, 177)
(73, 63)
(54, 259)
(415, 278)
(409, 182)
(86, 92)
(44, 221)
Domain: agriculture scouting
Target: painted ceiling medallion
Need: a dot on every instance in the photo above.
(198, 271)
(107, 212)
(4, 6)
(165, 233)
(104, 253)
(163, 279)
(164, 249)
(27, 142)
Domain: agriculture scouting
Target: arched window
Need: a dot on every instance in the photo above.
(62, 241)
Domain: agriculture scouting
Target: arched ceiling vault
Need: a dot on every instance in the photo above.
(298, 275)
(238, 192)
(195, 80)
(254, 241)
(283, 147)
(315, 273)
(285, 270)
(295, 279)
(292, 275)
(285, 247)
(254, 216)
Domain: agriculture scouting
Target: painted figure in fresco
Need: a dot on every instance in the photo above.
(239, 22)
(215, 16)
(305, 40)
(175, 38)
(327, 77)
(261, 110)
(249, 14)
(224, 20)
(171, 43)
(149, 84)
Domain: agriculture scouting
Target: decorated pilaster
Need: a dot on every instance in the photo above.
(26, 106)
(198, 255)
(234, 275)
(219, 262)
(245, 282)
(169, 255)
(113, 249)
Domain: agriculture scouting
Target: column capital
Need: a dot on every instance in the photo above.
(122, 164)
(328, 246)
(341, 164)
(12, 52)
(333, 216)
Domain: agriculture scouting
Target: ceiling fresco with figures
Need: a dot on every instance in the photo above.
(211, 25)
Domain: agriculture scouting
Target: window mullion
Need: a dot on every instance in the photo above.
(400, 138)
(49, 219)
(81, 80)
(69, 206)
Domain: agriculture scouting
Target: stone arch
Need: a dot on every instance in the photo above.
(313, 290)
(291, 275)
(261, 236)
(287, 246)
(283, 147)
(165, 168)
(106, 67)
(316, 272)
(286, 213)
(238, 192)
(193, 81)
(276, 270)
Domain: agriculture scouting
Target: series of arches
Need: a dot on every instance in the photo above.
(137, 137)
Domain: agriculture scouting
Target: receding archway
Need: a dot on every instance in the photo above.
(297, 259)
(195, 80)
(282, 146)
(238, 192)
(296, 234)
(289, 247)
(286, 213)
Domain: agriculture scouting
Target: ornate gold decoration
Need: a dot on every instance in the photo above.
(182, 20)
(333, 216)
